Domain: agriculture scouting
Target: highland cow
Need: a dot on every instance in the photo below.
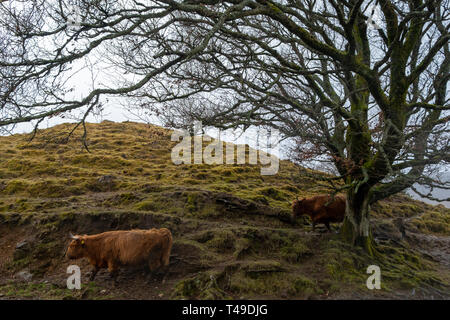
(321, 209)
(114, 249)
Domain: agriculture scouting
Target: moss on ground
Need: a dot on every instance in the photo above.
(434, 222)
(50, 291)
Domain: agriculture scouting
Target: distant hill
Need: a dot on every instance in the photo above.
(234, 237)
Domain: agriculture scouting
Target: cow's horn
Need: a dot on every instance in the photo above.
(72, 236)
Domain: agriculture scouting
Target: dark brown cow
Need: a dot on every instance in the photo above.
(321, 209)
(123, 248)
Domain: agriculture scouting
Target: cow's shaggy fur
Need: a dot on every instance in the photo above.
(123, 248)
(321, 209)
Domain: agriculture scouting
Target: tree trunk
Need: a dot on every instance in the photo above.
(356, 226)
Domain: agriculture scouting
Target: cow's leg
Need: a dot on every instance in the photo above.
(145, 270)
(114, 276)
(327, 224)
(113, 271)
(149, 268)
(164, 265)
(165, 257)
(93, 273)
(314, 226)
(155, 265)
(148, 276)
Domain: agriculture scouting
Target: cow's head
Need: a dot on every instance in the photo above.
(77, 247)
(297, 208)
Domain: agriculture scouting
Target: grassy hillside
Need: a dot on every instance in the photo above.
(232, 228)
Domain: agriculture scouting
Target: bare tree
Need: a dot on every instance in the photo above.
(42, 41)
(371, 98)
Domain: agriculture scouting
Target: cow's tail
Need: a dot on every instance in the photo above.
(167, 248)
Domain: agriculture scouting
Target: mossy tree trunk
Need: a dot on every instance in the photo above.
(356, 227)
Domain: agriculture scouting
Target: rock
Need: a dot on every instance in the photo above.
(22, 245)
(24, 275)
(107, 182)
(22, 250)
(386, 230)
(108, 179)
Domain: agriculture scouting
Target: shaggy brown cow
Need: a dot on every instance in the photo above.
(321, 209)
(123, 248)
